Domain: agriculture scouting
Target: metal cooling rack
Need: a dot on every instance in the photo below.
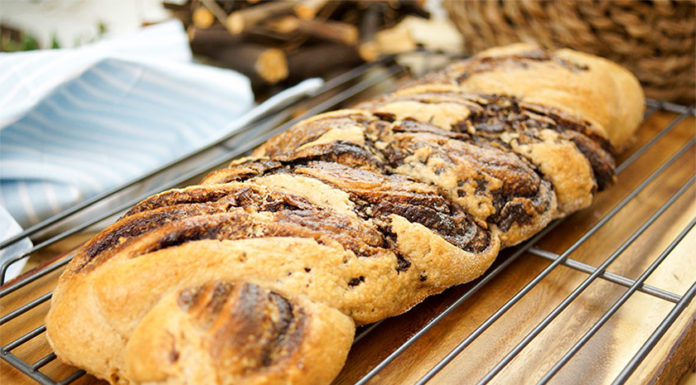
(345, 87)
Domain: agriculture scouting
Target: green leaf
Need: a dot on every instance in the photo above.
(102, 28)
(29, 43)
(54, 41)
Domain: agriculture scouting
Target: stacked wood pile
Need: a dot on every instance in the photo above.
(276, 42)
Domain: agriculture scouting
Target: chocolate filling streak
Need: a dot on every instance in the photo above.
(518, 195)
(249, 212)
(182, 204)
(238, 224)
(515, 192)
(110, 241)
(494, 118)
(312, 129)
(233, 194)
(376, 196)
(501, 111)
(245, 321)
(347, 154)
(495, 113)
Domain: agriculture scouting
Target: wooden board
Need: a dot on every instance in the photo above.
(602, 357)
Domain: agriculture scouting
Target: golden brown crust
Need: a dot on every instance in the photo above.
(580, 84)
(489, 183)
(124, 290)
(237, 333)
(354, 257)
(566, 151)
(313, 128)
(259, 274)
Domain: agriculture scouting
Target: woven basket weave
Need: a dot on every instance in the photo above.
(656, 40)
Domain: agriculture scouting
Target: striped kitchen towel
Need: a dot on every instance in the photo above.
(75, 122)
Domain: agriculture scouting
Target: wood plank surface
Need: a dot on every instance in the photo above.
(598, 362)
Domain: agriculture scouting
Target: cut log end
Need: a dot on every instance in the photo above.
(235, 23)
(308, 9)
(351, 35)
(304, 13)
(239, 21)
(272, 65)
(368, 51)
(203, 18)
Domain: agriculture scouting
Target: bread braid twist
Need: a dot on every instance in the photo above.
(259, 274)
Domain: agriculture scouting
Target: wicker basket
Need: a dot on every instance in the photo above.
(656, 40)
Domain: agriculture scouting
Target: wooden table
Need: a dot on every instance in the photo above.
(599, 361)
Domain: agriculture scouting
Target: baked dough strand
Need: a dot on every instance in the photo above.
(259, 274)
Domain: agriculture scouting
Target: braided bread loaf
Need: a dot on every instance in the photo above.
(259, 274)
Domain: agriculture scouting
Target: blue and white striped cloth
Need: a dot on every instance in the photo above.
(75, 122)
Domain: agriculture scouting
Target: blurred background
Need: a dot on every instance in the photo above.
(277, 43)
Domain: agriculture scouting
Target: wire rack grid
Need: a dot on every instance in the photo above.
(351, 84)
